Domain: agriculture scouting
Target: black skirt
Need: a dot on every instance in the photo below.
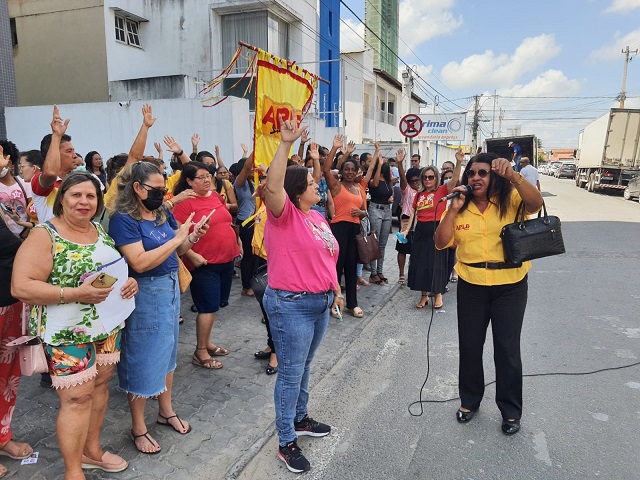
(427, 266)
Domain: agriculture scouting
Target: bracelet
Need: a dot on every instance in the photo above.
(171, 204)
(520, 180)
(61, 296)
(338, 295)
(179, 154)
(192, 241)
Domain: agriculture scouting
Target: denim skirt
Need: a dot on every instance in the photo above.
(149, 344)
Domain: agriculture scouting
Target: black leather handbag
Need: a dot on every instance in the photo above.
(535, 238)
(259, 281)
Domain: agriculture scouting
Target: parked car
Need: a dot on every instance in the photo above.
(632, 192)
(566, 170)
(543, 169)
(553, 166)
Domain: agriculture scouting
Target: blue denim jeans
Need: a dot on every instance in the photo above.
(298, 321)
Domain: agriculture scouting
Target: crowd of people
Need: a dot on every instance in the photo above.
(78, 215)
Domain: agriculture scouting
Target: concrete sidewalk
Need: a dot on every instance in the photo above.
(230, 410)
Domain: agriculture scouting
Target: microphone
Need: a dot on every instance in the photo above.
(468, 191)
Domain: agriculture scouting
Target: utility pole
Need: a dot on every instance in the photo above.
(407, 90)
(474, 125)
(493, 125)
(501, 116)
(627, 59)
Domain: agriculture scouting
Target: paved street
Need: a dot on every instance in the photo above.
(582, 316)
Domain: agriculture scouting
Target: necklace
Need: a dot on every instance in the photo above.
(351, 188)
(85, 233)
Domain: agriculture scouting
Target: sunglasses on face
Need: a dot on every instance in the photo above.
(481, 173)
(149, 188)
(428, 177)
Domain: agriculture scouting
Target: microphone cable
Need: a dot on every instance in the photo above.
(421, 401)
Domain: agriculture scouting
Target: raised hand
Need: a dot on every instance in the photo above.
(305, 136)
(217, 150)
(290, 131)
(245, 150)
(171, 144)
(400, 155)
(147, 116)
(195, 139)
(158, 147)
(503, 168)
(58, 126)
(313, 151)
(338, 141)
(351, 147)
(459, 155)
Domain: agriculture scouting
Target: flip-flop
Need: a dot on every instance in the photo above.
(145, 435)
(356, 312)
(168, 424)
(209, 363)
(402, 280)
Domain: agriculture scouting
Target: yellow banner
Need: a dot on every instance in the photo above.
(280, 87)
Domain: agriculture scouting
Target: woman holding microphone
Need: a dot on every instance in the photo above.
(489, 290)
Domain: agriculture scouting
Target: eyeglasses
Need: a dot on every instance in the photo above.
(202, 178)
(148, 188)
(481, 173)
(428, 177)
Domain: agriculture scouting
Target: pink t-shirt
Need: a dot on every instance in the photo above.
(302, 251)
(408, 195)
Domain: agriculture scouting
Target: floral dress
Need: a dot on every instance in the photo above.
(74, 323)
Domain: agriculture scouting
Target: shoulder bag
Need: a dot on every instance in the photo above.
(30, 348)
(529, 239)
(184, 276)
(367, 243)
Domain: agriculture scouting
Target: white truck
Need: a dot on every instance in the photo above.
(608, 154)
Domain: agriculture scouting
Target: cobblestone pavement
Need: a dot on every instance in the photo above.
(230, 410)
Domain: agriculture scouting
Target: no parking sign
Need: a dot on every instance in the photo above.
(410, 125)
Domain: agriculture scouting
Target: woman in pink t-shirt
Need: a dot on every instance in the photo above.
(303, 287)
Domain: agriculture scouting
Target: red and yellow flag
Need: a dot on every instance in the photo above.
(281, 86)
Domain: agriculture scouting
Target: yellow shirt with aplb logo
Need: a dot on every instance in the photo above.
(477, 237)
(257, 242)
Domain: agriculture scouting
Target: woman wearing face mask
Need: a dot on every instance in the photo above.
(146, 233)
(489, 290)
(428, 267)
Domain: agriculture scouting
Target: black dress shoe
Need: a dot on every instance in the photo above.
(262, 355)
(509, 428)
(464, 417)
(271, 370)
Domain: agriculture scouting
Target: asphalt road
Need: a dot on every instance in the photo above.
(582, 316)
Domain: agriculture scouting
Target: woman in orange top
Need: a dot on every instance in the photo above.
(349, 205)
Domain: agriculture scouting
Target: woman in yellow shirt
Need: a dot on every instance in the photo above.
(489, 290)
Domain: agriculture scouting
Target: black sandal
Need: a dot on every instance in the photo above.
(167, 424)
(148, 438)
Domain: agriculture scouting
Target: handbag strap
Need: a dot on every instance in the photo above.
(521, 214)
(24, 320)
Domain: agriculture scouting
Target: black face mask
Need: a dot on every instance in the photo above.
(154, 199)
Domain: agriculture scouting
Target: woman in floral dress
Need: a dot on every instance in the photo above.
(55, 268)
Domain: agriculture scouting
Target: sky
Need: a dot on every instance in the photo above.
(525, 52)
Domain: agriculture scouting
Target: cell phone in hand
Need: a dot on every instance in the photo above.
(208, 217)
(104, 280)
(7, 208)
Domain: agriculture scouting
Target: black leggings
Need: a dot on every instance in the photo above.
(247, 264)
(503, 306)
(345, 233)
(259, 262)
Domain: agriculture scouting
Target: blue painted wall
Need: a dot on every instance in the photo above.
(329, 97)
